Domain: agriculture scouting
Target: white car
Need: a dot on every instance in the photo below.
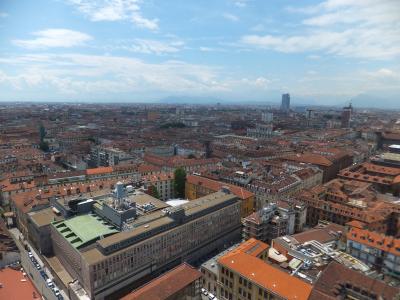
(211, 296)
(204, 291)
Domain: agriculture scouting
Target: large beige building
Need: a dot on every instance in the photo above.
(105, 261)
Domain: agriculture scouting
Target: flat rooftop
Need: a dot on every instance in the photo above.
(44, 217)
(391, 156)
(82, 230)
(139, 198)
(155, 222)
(159, 218)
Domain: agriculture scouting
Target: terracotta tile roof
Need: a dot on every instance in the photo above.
(7, 186)
(166, 285)
(323, 235)
(100, 170)
(265, 275)
(15, 286)
(336, 276)
(315, 159)
(217, 185)
(356, 224)
(252, 247)
(158, 177)
(375, 240)
(144, 168)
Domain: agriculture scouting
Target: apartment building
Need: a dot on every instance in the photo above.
(169, 164)
(385, 179)
(106, 156)
(330, 161)
(271, 181)
(339, 282)
(375, 249)
(105, 261)
(182, 282)
(163, 182)
(244, 274)
(198, 186)
(342, 201)
(268, 223)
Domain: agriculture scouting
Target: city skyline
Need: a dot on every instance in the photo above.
(321, 52)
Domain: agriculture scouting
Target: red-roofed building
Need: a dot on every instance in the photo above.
(341, 201)
(330, 161)
(197, 186)
(182, 282)
(243, 274)
(381, 251)
(338, 282)
(16, 285)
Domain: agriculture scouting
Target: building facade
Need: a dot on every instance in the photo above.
(378, 250)
(285, 105)
(156, 242)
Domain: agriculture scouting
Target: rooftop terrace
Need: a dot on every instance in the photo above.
(82, 230)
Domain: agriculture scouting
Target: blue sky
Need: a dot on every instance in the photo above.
(326, 51)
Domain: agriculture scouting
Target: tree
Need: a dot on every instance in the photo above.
(44, 146)
(152, 191)
(42, 132)
(191, 156)
(179, 182)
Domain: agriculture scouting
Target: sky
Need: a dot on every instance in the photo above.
(320, 51)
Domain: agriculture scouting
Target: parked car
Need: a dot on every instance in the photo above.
(49, 283)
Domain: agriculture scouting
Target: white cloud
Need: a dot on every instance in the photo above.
(230, 17)
(384, 74)
(240, 3)
(82, 73)
(211, 49)
(259, 82)
(3, 15)
(115, 10)
(56, 37)
(144, 23)
(78, 75)
(156, 47)
(352, 28)
(148, 46)
(262, 82)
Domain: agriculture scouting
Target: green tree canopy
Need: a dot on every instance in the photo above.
(179, 182)
(152, 190)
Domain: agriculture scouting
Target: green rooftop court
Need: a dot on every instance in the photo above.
(84, 230)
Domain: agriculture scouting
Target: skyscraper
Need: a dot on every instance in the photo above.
(346, 116)
(285, 106)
